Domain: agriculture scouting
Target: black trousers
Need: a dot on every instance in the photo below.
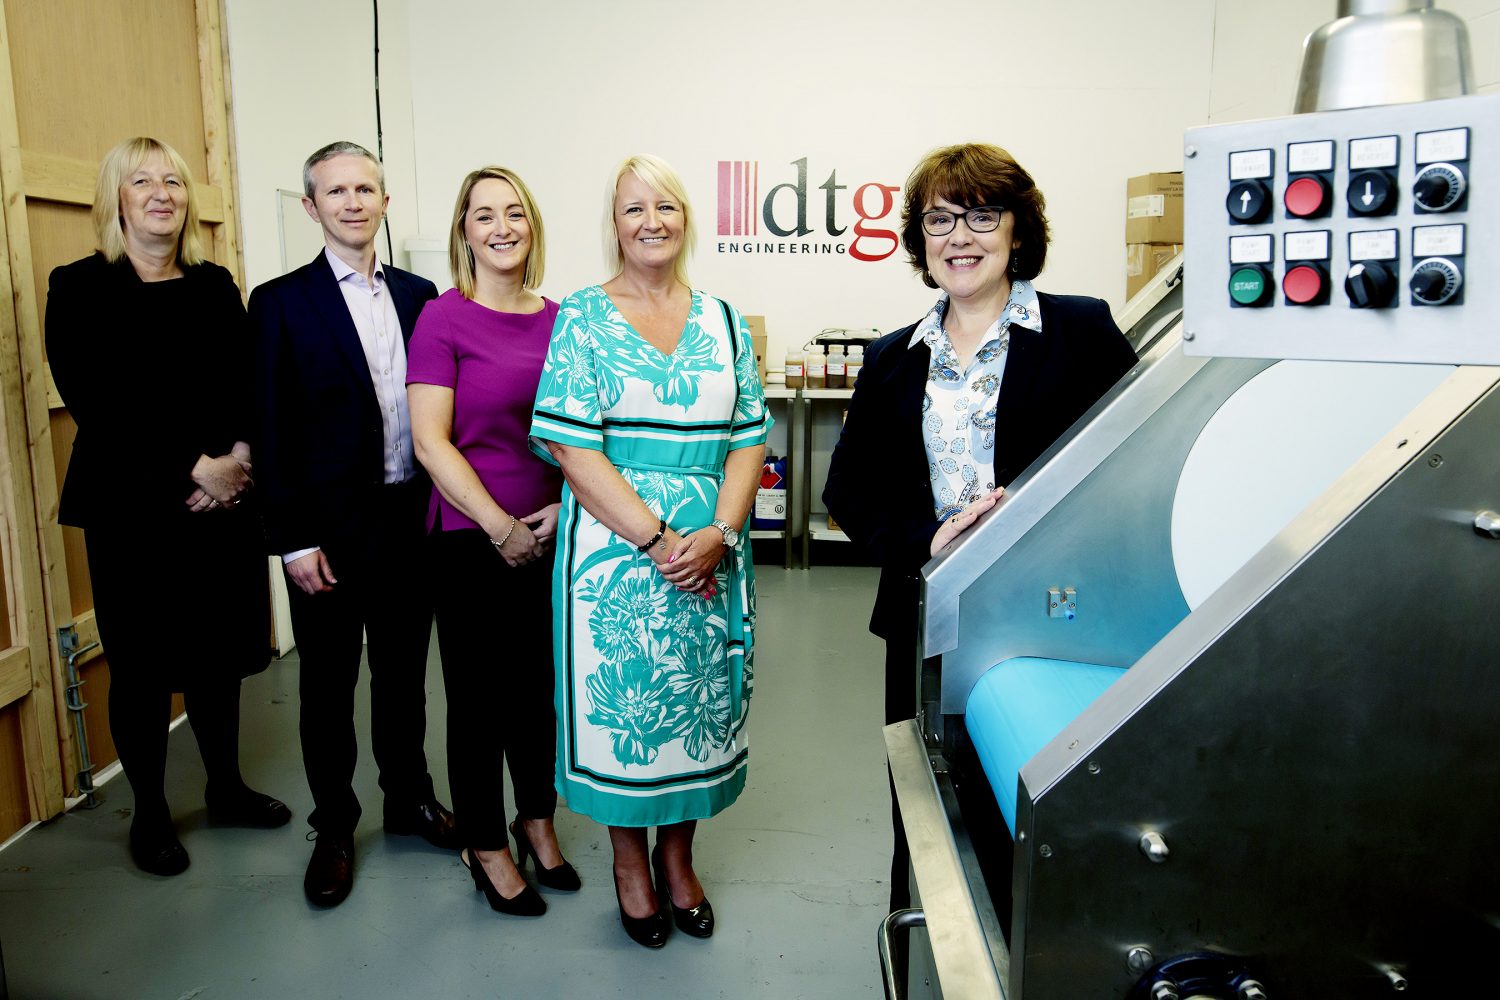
(383, 591)
(494, 626)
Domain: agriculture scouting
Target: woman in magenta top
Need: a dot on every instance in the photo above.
(472, 371)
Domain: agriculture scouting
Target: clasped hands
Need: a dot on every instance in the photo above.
(529, 538)
(221, 482)
(688, 561)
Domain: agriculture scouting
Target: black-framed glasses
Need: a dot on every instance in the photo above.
(940, 221)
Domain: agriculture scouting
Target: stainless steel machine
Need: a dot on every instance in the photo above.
(1214, 706)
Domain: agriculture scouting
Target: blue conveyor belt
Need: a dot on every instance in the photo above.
(1018, 706)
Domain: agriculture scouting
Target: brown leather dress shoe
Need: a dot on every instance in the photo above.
(330, 873)
(429, 820)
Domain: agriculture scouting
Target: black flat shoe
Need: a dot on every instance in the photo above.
(697, 921)
(428, 820)
(562, 878)
(248, 808)
(158, 853)
(526, 903)
(649, 932)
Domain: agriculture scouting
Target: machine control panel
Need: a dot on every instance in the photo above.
(1345, 235)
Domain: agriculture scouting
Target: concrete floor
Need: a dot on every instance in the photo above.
(796, 868)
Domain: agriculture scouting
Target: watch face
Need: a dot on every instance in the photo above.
(731, 538)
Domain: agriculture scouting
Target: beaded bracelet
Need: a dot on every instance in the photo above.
(512, 531)
(660, 531)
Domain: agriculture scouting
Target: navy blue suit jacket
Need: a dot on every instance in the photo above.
(879, 489)
(320, 442)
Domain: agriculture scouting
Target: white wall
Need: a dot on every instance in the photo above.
(1084, 93)
(302, 76)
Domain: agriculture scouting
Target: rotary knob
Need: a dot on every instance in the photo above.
(1369, 285)
(1438, 187)
(1435, 281)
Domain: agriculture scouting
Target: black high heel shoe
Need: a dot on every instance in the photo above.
(562, 878)
(697, 921)
(526, 903)
(649, 932)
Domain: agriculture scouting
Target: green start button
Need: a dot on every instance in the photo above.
(1247, 286)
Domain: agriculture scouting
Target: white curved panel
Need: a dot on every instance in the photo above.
(1273, 448)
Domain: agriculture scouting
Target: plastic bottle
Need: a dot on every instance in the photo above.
(817, 368)
(855, 362)
(836, 366)
(793, 368)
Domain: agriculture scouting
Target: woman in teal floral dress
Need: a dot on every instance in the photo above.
(651, 405)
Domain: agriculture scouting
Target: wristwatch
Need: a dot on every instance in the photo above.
(731, 537)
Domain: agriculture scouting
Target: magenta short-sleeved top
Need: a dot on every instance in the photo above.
(492, 361)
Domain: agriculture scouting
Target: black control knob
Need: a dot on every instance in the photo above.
(1435, 281)
(1371, 192)
(1370, 285)
(1248, 201)
(1438, 187)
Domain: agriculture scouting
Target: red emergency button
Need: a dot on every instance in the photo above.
(1304, 285)
(1306, 197)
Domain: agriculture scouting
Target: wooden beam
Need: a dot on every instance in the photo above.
(87, 629)
(218, 137)
(29, 488)
(66, 179)
(15, 674)
(54, 398)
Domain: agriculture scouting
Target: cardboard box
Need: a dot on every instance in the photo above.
(1143, 261)
(1153, 208)
(757, 325)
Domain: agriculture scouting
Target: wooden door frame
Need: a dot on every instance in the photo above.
(28, 480)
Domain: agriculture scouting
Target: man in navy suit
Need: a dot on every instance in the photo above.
(345, 504)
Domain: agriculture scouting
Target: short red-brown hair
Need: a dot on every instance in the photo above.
(974, 174)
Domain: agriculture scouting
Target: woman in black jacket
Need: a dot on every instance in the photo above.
(950, 409)
(149, 346)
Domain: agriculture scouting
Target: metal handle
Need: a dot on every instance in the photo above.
(898, 920)
(1487, 522)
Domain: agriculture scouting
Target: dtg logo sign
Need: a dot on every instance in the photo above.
(783, 214)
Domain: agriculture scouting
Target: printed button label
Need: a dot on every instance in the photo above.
(1378, 244)
(1251, 249)
(1306, 157)
(1437, 241)
(1449, 144)
(1307, 246)
(1250, 164)
(1378, 151)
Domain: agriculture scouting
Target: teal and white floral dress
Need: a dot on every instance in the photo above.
(653, 684)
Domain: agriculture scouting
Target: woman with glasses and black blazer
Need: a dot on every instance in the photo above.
(950, 409)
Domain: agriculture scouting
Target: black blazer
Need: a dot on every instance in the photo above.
(878, 487)
(319, 439)
(155, 374)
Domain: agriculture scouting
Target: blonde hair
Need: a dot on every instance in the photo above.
(118, 164)
(659, 175)
(461, 256)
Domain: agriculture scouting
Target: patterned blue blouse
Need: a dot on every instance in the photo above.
(958, 411)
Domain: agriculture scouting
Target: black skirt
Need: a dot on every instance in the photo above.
(185, 600)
